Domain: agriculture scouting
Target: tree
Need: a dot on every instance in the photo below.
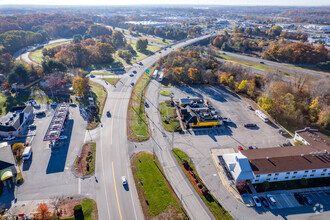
(243, 86)
(276, 30)
(6, 63)
(79, 86)
(141, 45)
(267, 104)
(42, 212)
(77, 38)
(19, 74)
(56, 202)
(194, 75)
(118, 39)
(218, 41)
(314, 110)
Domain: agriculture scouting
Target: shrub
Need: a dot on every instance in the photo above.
(77, 208)
(199, 185)
(303, 182)
(205, 191)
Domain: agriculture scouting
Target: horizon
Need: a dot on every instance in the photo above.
(233, 3)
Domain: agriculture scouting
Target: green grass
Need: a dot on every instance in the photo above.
(166, 86)
(112, 81)
(169, 125)
(215, 207)
(157, 41)
(37, 56)
(103, 73)
(306, 67)
(143, 54)
(165, 92)
(92, 163)
(89, 208)
(137, 123)
(251, 64)
(154, 186)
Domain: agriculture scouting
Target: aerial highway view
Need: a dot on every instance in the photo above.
(164, 109)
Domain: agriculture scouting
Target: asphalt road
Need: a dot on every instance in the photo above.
(112, 160)
(274, 64)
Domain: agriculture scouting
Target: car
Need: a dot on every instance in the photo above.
(9, 138)
(307, 199)
(134, 71)
(250, 125)
(141, 64)
(250, 147)
(261, 62)
(299, 198)
(92, 76)
(39, 113)
(224, 53)
(271, 199)
(124, 180)
(27, 153)
(131, 75)
(228, 120)
(264, 201)
(250, 107)
(32, 127)
(31, 102)
(53, 104)
(37, 106)
(108, 114)
(256, 201)
(283, 133)
(240, 148)
(287, 144)
(132, 84)
(63, 137)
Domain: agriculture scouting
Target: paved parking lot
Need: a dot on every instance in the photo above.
(48, 171)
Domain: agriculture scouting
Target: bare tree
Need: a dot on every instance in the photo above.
(321, 88)
(56, 202)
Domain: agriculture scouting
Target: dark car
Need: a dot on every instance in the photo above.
(307, 199)
(40, 113)
(108, 114)
(299, 198)
(264, 201)
(262, 62)
(134, 71)
(250, 147)
(287, 144)
(284, 133)
(250, 125)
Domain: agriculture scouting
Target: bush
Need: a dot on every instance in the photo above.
(303, 182)
(77, 208)
(205, 191)
(199, 185)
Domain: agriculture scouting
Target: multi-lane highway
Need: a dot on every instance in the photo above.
(112, 160)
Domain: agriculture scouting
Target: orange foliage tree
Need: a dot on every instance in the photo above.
(43, 212)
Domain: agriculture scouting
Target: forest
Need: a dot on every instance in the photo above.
(294, 103)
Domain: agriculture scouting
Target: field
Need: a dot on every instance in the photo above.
(170, 123)
(37, 56)
(112, 81)
(254, 65)
(154, 189)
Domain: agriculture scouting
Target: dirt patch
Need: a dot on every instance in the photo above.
(81, 162)
(66, 210)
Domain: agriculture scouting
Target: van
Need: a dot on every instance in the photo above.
(27, 153)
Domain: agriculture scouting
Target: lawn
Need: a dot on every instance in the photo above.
(143, 54)
(171, 123)
(165, 92)
(138, 129)
(215, 207)
(92, 155)
(156, 40)
(307, 67)
(112, 81)
(89, 208)
(103, 73)
(37, 56)
(251, 64)
(153, 188)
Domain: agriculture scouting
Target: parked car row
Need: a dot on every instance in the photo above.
(262, 201)
(303, 198)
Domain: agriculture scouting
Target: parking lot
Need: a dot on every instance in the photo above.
(48, 171)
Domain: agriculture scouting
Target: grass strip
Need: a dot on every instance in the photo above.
(165, 92)
(169, 113)
(89, 209)
(112, 81)
(155, 194)
(211, 202)
(93, 155)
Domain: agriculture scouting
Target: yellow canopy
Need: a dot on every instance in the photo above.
(6, 174)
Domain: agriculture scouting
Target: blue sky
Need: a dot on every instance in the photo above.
(153, 2)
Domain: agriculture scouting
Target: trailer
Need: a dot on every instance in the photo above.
(261, 115)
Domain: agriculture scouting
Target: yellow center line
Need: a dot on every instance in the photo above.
(114, 183)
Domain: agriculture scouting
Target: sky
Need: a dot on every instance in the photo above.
(164, 2)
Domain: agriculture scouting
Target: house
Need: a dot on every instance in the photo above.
(311, 160)
(15, 122)
(7, 165)
(198, 113)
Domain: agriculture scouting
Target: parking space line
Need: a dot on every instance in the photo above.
(292, 200)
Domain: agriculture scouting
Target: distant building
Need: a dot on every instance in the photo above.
(15, 122)
(311, 160)
(7, 165)
(196, 112)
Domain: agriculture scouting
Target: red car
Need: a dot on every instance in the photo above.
(240, 148)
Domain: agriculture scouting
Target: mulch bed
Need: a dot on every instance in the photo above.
(81, 162)
(66, 209)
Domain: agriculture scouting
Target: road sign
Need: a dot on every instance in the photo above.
(147, 71)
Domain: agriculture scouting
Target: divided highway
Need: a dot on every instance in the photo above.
(113, 161)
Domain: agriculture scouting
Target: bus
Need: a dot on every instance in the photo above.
(154, 75)
(261, 115)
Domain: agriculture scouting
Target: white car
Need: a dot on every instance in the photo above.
(63, 137)
(9, 138)
(227, 120)
(124, 180)
(271, 199)
(257, 201)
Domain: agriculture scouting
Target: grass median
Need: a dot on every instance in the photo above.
(138, 128)
(170, 123)
(165, 92)
(89, 209)
(210, 201)
(112, 81)
(157, 198)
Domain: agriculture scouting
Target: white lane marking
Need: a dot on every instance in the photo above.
(128, 174)
(79, 186)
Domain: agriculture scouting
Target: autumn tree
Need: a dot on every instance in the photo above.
(243, 86)
(314, 110)
(194, 75)
(6, 63)
(79, 86)
(43, 212)
(266, 103)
